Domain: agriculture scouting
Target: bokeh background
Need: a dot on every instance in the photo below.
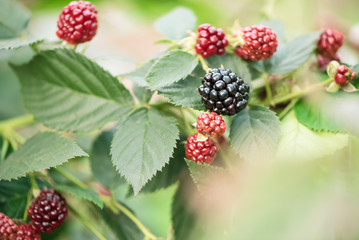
(126, 36)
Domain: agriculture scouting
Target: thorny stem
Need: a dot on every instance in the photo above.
(134, 219)
(203, 63)
(85, 221)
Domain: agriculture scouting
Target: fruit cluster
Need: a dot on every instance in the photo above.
(224, 92)
(328, 44)
(344, 75)
(46, 212)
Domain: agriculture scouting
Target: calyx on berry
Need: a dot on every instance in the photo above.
(77, 22)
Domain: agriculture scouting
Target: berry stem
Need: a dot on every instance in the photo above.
(268, 88)
(203, 63)
(4, 149)
(301, 93)
(188, 127)
(134, 219)
(16, 122)
(28, 203)
(70, 177)
(287, 108)
(85, 221)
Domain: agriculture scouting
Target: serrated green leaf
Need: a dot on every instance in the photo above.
(170, 173)
(14, 18)
(142, 145)
(185, 92)
(82, 193)
(15, 43)
(122, 227)
(13, 197)
(182, 18)
(42, 151)
(315, 117)
(101, 165)
(255, 132)
(143, 94)
(66, 91)
(203, 174)
(171, 68)
(235, 63)
(293, 54)
(300, 143)
(138, 75)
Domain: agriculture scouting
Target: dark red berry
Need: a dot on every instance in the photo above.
(8, 228)
(344, 75)
(211, 124)
(340, 79)
(210, 41)
(260, 43)
(77, 22)
(47, 211)
(329, 43)
(200, 151)
(27, 232)
(342, 69)
(324, 61)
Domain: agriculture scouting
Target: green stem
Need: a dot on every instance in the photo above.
(287, 108)
(268, 89)
(4, 149)
(16, 122)
(188, 127)
(203, 63)
(85, 221)
(28, 203)
(70, 177)
(301, 93)
(33, 181)
(135, 220)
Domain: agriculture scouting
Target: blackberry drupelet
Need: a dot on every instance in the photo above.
(8, 228)
(202, 152)
(329, 43)
(223, 92)
(27, 232)
(211, 124)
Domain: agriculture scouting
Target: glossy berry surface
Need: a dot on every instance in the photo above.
(211, 124)
(26, 232)
(210, 41)
(223, 92)
(344, 75)
(260, 43)
(77, 22)
(329, 43)
(8, 228)
(48, 211)
(200, 151)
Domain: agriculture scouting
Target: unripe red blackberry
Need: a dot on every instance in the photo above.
(26, 232)
(344, 75)
(8, 228)
(77, 22)
(223, 92)
(329, 43)
(47, 211)
(260, 43)
(210, 41)
(200, 151)
(211, 124)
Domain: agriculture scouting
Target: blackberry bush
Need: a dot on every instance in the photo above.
(223, 141)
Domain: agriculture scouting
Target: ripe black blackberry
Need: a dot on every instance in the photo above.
(223, 92)
(48, 211)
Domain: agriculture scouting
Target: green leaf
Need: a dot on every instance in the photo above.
(121, 225)
(300, 143)
(171, 68)
(278, 27)
(82, 193)
(185, 92)
(255, 132)
(139, 74)
(176, 23)
(142, 145)
(236, 64)
(42, 151)
(315, 117)
(143, 94)
(204, 174)
(66, 91)
(15, 43)
(171, 173)
(293, 54)
(14, 18)
(101, 165)
(13, 197)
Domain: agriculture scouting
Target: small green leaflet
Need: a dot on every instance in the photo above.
(14, 18)
(42, 151)
(298, 143)
(83, 193)
(142, 145)
(176, 24)
(138, 75)
(255, 132)
(171, 68)
(66, 91)
(15, 43)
